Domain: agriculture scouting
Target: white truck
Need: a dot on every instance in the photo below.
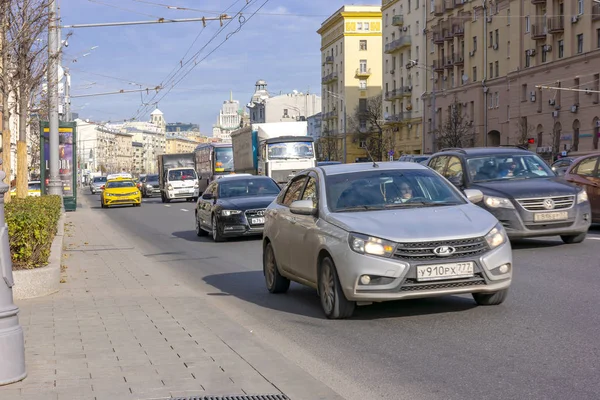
(279, 150)
(177, 177)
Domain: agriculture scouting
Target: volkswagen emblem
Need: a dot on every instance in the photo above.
(548, 204)
(444, 251)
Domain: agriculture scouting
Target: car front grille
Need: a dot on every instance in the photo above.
(411, 285)
(257, 213)
(122, 194)
(423, 251)
(538, 204)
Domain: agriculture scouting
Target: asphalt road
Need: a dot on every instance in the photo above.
(542, 343)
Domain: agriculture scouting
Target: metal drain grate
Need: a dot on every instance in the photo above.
(243, 397)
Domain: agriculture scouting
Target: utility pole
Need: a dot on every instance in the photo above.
(55, 185)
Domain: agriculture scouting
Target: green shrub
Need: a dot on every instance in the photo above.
(32, 224)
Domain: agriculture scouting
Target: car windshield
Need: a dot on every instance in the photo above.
(182, 175)
(290, 150)
(223, 159)
(247, 188)
(152, 178)
(383, 189)
(35, 186)
(508, 166)
(100, 179)
(120, 184)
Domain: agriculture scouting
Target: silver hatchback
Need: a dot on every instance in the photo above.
(364, 233)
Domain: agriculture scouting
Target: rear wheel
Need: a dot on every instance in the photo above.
(333, 301)
(571, 239)
(275, 282)
(490, 299)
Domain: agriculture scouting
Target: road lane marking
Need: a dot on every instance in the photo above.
(594, 238)
(167, 205)
(183, 209)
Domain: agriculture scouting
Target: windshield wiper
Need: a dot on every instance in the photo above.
(360, 208)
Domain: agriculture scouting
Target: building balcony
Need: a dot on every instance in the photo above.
(539, 31)
(362, 73)
(329, 60)
(438, 10)
(330, 115)
(449, 62)
(389, 95)
(538, 2)
(448, 35)
(458, 29)
(438, 65)
(595, 12)
(332, 77)
(398, 44)
(556, 24)
(398, 20)
(438, 37)
(399, 117)
(448, 5)
(459, 59)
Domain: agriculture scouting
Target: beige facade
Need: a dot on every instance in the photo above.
(404, 41)
(178, 144)
(527, 44)
(351, 48)
(124, 156)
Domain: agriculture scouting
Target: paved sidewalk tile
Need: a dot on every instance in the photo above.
(118, 331)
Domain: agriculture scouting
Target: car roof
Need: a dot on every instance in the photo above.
(484, 151)
(337, 169)
(119, 178)
(241, 177)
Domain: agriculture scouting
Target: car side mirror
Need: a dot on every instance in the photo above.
(474, 195)
(207, 196)
(303, 207)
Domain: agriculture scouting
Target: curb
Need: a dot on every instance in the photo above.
(39, 282)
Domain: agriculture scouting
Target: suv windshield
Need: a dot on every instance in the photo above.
(152, 178)
(247, 188)
(290, 150)
(502, 167)
(376, 190)
(182, 175)
(120, 184)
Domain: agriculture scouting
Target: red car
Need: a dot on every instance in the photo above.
(585, 172)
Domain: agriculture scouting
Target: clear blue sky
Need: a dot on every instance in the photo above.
(278, 44)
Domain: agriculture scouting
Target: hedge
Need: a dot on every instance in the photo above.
(32, 224)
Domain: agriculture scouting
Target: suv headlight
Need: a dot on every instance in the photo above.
(497, 202)
(227, 213)
(363, 244)
(496, 236)
(196, 185)
(582, 197)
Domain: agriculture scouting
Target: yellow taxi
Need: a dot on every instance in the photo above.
(35, 189)
(120, 191)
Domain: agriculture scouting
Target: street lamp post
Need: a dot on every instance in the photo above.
(55, 185)
(344, 144)
(414, 63)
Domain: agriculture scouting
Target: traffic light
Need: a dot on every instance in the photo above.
(530, 140)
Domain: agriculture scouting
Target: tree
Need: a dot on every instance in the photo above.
(524, 132)
(328, 147)
(367, 124)
(456, 131)
(27, 21)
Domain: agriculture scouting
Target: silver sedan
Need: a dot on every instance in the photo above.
(364, 233)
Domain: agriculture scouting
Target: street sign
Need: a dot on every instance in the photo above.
(391, 153)
(67, 148)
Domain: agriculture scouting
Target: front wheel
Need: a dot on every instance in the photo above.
(276, 283)
(490, 299)
(571, 239)
(333, 300)
(199, 230)
(216, 230)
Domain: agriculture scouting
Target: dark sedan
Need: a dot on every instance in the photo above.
(235, 206)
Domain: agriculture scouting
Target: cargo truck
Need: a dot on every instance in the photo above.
(177, 177)
(279, 150)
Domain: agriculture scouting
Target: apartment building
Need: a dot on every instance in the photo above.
(351, 48)
(179, 144)
(404, 23)
(517, 69)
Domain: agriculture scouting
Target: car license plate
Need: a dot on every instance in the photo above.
(551, 216)
(257, 221)
(445, 271)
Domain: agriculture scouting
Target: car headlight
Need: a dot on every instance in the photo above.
(496, 236)
(363, 244)
(149, 186)
(196, 185)
(227, 213)
(497, 202)
(582, 197)
(170, 187)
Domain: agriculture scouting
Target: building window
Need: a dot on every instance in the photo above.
(417, 28)
(497, 67)
(285, 113)
(362, 84)
(497, 37)
(527, 24)
(497, 98)
(580, 43)
(363, 45)
(474, 43)
(474, 74)
(508, 16)
(491, 70)
(409, 6)
(491, 43)
(359, 26)
(386, 20)
(580, 7)
(527, 59)
(561, 48)
(544, 54)
(598, 38)
(366, 26)
(363, 66)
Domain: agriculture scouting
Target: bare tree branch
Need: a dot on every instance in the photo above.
(366, 123)
(456, 131)
(524, 131)
(328, 148)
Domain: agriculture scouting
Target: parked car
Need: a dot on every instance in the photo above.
(383, 231)
(585, 172)
(561, 165)
(234, 206)
(96, 184)
(520, 189)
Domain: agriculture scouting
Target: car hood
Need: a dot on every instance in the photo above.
(125, 190)
(246, 203)
(527, 188)
(186, 183)
(418, 224)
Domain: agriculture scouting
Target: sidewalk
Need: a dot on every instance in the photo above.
(122, 328)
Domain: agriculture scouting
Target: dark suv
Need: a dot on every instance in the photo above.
(520, 189)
